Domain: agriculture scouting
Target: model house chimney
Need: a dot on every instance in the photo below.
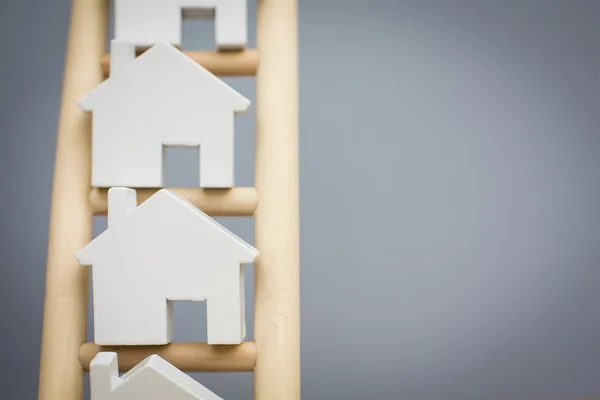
(104, 375)
(122, 53)
(121, 202)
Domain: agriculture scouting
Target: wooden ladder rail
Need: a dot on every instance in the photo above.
(275, 354)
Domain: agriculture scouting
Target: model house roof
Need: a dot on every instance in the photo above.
(161, 63)
(179, 378)
(104, 368)
(167, 206)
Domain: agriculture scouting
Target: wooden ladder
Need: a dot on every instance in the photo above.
(274, 356)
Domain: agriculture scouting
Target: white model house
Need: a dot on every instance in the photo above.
(161, 98)
(163, 250)
(152, 379)
(146, 22)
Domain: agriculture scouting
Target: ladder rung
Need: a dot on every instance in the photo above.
(188, 357)
(223, 63)
(239, 201)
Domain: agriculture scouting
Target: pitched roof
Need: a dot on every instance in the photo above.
(179, 379)
(178, 63)
(157, 203)
(175, 199)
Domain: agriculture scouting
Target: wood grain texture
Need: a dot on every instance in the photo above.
(71, 217)
(239, 201)
(277, 306)
(189, 357)
(220, 63)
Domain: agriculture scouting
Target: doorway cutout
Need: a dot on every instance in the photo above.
(181, 166)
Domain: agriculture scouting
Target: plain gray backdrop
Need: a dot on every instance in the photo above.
(450, 196)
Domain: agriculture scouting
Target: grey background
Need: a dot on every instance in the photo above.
(449, 156)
